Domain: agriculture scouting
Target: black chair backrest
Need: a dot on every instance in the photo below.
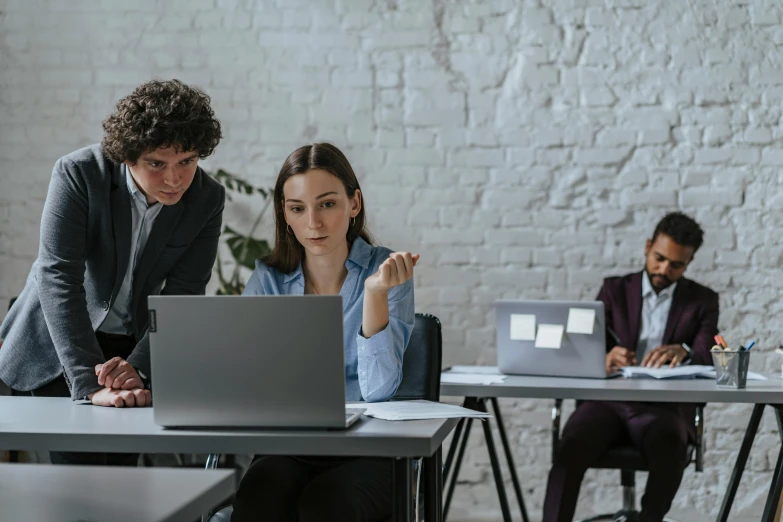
(422, 362)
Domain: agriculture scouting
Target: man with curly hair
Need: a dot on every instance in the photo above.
(124, 219)
(655, 317)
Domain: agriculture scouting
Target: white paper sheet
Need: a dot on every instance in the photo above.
(687, 370)
(417, 410)
(471, 378)
(580, 321)
(549, 336)
(523, 327)
(489, 370)
(666, 372)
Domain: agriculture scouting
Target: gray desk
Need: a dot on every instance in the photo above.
(641, 390)
(57, 424)
(85, 493)
(759, 393)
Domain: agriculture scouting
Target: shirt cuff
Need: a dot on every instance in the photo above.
(688, 357)
(85, 382)
(376, 343)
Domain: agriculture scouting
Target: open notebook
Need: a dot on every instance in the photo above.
(692, 370)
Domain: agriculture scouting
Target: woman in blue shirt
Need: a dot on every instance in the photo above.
(322, 247)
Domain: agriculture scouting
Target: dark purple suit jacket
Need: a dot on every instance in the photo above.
(693, 320)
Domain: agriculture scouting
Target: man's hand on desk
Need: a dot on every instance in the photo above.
(619, 357)
(121, 398)
(672, 354)
(117, 373)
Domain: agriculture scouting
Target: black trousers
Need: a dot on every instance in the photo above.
(111, 346)
(658, 431)
(310, 489)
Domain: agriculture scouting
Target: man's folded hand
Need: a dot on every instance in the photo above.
(117, 373)
(121, 398)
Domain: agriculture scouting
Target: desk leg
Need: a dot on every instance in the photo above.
(742, 459)
(493, 459)
(401, 491)
(457, 464)
(775, 489)
(452, 465)
(510, 459)
(453, 448)
(212, 462)
(433, 487)
(772, 506)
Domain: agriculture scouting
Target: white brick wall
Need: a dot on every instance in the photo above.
(524, 148)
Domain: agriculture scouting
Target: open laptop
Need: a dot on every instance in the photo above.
(249, 361)
(578, 355)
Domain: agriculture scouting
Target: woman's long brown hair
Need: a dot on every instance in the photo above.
(287, 252)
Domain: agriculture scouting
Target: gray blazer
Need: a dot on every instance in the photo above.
(83, 256)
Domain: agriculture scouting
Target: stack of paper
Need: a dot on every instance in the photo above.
(665, 372)
(490, 370)
(484, 375)
(471, 378)
(693, 370)
(418, 410)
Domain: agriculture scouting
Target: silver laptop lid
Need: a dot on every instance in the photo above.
(579, 355)
(249, 361)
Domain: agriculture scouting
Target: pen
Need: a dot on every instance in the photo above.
(750, 345)
(614, 335)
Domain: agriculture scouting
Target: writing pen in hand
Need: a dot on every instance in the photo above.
(614, 336)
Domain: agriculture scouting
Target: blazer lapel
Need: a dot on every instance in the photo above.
(675, 312)
(121, 224)
(161, 231)
(633, 293)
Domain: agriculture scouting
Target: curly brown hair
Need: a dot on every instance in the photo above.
(161, 114)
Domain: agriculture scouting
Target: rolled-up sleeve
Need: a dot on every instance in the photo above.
(380, 356)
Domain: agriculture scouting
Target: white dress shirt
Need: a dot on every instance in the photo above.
(118, 320)
(655, 314)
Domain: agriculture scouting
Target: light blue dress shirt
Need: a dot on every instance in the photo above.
(655, 315)
(373, 366)
(118, 320)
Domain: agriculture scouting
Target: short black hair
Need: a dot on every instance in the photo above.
(161, 114)
(682, 228)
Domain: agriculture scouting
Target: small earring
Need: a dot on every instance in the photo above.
(288, 227)
(353, 221)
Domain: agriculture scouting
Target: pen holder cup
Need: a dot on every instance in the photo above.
(731, 368)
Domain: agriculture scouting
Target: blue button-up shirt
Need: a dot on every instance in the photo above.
(373, 366)
(143, 215)
(655, 315)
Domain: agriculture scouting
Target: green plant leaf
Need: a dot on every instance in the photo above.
(244, 249)
(237, 184)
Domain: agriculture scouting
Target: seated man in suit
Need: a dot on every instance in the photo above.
(659, 318)
(121, 219)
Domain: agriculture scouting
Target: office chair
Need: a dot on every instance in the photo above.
(629, 460)
(421, 367)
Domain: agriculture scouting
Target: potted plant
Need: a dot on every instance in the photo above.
(244, 248)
